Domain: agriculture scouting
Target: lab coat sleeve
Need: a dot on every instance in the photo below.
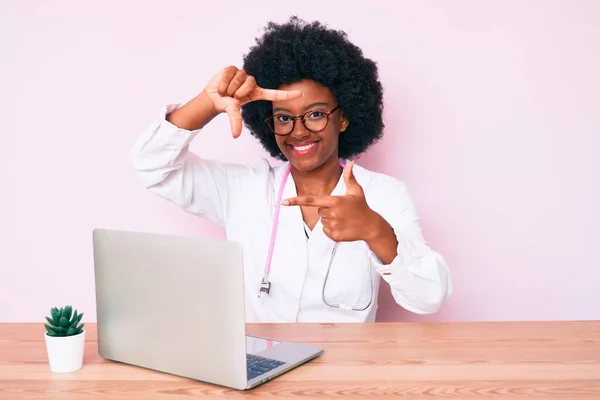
(166, 167)
(419, 277)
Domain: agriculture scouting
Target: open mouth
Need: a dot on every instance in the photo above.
(304, 149)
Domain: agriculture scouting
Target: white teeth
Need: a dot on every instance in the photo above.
(304, 148)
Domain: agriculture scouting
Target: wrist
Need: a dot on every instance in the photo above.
(381, 238)
(195, 114)
(376, 228)
(207, 105)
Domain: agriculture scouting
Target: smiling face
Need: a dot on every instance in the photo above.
(309, 147)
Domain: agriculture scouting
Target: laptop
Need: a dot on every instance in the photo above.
(175, 304)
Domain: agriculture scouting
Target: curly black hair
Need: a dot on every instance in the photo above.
(297, 50)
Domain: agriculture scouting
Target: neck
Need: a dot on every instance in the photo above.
(320, 181)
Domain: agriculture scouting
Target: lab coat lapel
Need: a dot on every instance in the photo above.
(289, 255)
(338, 190)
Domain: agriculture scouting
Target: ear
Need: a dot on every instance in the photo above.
(344, 123)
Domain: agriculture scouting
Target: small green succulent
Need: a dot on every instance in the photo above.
(64, 322)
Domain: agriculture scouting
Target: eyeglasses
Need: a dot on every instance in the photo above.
(314, 121)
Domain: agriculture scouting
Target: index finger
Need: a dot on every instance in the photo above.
(276, 95)
(312, 201)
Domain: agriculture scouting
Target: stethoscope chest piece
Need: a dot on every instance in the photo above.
(265, 286)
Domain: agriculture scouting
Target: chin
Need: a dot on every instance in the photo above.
(305, 165)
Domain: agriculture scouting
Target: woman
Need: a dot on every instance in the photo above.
(318, 232)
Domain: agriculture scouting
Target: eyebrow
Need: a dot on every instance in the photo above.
(320, 103)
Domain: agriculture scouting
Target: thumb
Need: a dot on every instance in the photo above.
(352, 186)
(235, 118)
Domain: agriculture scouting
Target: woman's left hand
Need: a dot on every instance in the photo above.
(344, 218)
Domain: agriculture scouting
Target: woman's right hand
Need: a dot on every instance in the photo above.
(232, 88)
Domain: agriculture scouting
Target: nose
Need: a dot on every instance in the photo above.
(299, 131)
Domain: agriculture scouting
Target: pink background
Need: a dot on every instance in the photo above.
(492, 113)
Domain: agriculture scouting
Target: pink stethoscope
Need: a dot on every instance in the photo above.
(265, 285)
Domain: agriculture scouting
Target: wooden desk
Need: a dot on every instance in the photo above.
(558, 360)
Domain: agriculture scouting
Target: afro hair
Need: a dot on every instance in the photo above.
(297, 50)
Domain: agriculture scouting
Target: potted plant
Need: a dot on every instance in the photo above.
(65, 339)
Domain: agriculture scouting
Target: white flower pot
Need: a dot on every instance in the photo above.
(65, 353)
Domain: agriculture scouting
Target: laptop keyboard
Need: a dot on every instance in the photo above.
(257, 365)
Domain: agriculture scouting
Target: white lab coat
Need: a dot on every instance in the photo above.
(242, 199)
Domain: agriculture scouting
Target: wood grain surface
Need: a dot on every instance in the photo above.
(483, 360)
